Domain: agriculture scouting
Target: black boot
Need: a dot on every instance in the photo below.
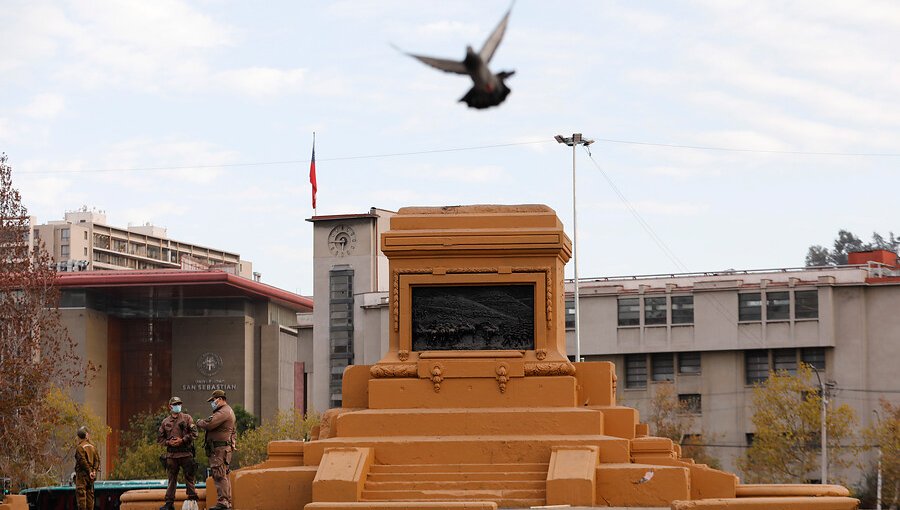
(167, 506)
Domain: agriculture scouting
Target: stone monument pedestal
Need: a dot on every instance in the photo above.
(476, 405)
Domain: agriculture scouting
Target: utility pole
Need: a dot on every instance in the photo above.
(824, 428)
(575, 140)
(878, 487)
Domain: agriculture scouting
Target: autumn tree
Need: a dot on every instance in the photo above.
(787, 419)
(670, 417)
(36, 353)
(885, 434)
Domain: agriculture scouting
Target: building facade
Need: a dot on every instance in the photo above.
(155, 334)
(84, 241)
(716, 335)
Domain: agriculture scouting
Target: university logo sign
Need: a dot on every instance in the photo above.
(209, 364)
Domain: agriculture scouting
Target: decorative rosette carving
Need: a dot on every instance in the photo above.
(437, 371)
(403, 355)
(540, 354)
(502, 376)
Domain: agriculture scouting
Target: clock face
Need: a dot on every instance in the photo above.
(342, 240)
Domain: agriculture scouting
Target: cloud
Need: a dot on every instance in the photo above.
(453, 30)
(262, 81)
(44, 106)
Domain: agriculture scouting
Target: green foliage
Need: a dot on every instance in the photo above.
(885, 434)
(787, 421)
(63, 417)
(244, 419)
(847, 242)
(287, 424)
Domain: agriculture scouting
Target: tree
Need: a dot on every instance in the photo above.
(64, 416)
(845, 243)
(287, 424)
(36, 353)
(885, 433)
(787, 421)
(669, 417)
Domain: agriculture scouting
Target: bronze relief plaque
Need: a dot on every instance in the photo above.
(472, 317)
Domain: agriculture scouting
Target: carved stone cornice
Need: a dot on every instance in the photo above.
(549, 368)
(382, 371)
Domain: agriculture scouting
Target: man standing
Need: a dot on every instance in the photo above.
(177, 432)
(87, 465)
(220, 442)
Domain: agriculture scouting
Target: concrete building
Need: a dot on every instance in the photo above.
(84, 241)
(154, 334)
(714, 335)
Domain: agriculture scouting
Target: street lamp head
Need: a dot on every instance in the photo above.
(576, 137)
(560, 139)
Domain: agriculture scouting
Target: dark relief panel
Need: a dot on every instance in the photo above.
(473, 317)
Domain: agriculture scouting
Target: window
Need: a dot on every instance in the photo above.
(654, 311)
(635, 371)
(785, 360)
(64, 234)
(778, 306)
(814, 356)
(570, 314)
(749, 307)
(663, 365)
(689, 363)
(629, 312)
(64, 252)
(756, 366)
(690, 403)
(749, 437)
(682, 309)
(85, 251)
(806, 304)
(340, 331)
(37, 234)
(85, 235)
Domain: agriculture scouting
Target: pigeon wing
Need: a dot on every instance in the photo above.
(446, 65)
(490, 46)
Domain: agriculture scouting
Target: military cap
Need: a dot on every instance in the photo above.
(216, 394)
(175, 400)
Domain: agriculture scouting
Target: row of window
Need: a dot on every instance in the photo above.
(674, 310)
(663, 366)
(778, 305)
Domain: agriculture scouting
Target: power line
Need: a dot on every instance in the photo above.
(289, 161)
(469, 148)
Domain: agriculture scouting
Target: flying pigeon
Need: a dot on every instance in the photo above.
(488, 89)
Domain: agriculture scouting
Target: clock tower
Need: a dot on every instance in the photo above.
(350, 279)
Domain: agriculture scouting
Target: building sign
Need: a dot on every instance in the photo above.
(209, 364)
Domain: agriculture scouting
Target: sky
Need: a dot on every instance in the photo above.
(198, 116)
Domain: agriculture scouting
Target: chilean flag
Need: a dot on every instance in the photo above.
(312, 172)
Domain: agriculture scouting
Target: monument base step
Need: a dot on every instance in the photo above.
(449, 450)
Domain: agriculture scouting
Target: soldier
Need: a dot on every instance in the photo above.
(177, 432)
(220, 442)
(87, 465)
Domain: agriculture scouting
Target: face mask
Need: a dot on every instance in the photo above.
(176, 408)
(213, 404)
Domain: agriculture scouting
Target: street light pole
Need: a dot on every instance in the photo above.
(573, 141)
(878, 487)
(824, 428)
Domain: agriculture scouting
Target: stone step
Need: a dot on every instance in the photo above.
(448, 450)
(462, 422)
(502, 503)
(458, 477)
(498, 495)
(463, 485)
(458, 468)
